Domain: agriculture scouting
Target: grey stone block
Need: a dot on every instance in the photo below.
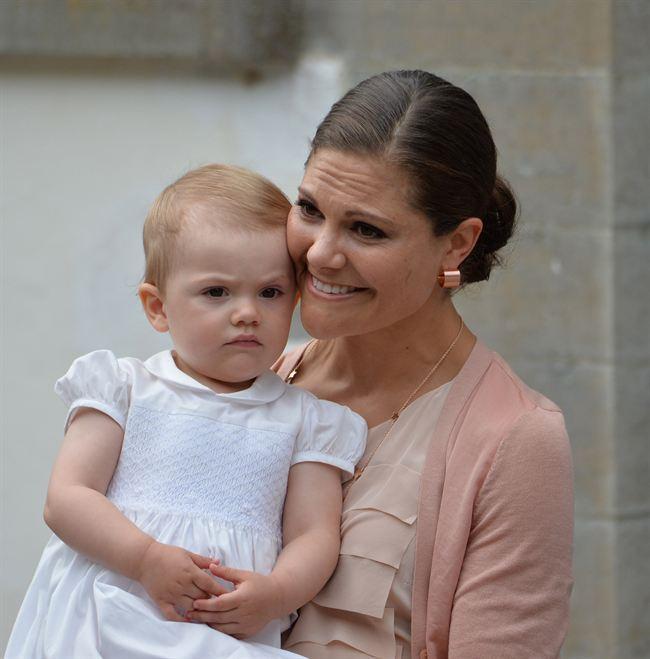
(631, 440)
(552, 302)
(630, 28)
(631, 140)
(219, 36)
(592, 631)
(552, 134)
(630, 300)
(633, 592)
(496, 35)
(611, 598)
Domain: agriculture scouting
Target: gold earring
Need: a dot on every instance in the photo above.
(449, 279)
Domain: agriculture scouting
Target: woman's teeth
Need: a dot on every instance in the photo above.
(332, 289)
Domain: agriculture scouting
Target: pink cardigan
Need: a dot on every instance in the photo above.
(495, 522)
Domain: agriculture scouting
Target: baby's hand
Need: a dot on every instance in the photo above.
(243, 612)
(174, 577)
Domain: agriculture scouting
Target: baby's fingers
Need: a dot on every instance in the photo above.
(226, 602)
(194, 592)
(201, 561)
(209, 585)
(170, 613)
(214, 617)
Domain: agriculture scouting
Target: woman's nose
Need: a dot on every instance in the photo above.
(325, 251)
(245, 313)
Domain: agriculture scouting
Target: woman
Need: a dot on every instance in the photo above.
(457, 529)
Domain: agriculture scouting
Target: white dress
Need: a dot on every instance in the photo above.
(200, 470)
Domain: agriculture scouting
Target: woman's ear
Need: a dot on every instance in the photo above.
(154, 306)
(462, 241)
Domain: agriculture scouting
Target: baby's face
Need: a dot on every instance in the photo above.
(229, 300)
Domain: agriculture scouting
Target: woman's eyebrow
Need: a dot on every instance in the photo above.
(351, 212)
(303, 193)
(368, 215)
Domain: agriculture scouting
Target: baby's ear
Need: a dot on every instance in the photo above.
(154, 306)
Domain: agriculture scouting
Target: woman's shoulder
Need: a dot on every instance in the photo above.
(489, 376)
(493, 403)
(530, 397)
(495, 421)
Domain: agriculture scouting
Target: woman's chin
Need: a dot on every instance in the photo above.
(316, 325)
(324, 320)
(324, 326)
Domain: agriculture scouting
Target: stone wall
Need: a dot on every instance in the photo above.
(566, 89)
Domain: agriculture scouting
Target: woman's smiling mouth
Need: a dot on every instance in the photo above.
(330, 289)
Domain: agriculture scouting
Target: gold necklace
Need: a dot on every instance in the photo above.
(359, 470)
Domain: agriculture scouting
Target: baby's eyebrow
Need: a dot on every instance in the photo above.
(218, 278)
(277, 275)
(212, 277)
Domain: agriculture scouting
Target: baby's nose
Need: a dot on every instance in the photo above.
(246, 314)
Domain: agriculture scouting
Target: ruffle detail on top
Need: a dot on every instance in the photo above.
(376, 531)
(344, 635)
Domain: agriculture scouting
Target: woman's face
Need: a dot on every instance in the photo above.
(365, 259)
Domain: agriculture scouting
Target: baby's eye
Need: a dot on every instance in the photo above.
(270, 293)
(367, 230)
(307, 208)
(216, 291)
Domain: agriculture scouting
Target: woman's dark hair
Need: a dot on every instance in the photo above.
(436, 133)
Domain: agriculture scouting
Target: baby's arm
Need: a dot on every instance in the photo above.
(311, 529)
(78, 511)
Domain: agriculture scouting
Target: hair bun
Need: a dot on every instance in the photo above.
(498, 226)
(504, 208)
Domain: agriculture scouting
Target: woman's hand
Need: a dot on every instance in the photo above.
(174, 577)
(254, 602)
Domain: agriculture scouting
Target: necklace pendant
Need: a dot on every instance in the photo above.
(291, 376)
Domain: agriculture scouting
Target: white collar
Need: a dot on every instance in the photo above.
(266, 388)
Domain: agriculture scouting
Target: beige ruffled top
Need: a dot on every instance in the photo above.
(365, 608)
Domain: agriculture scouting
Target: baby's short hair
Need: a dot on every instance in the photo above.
(258, 204)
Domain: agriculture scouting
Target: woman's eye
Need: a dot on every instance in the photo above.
(368, 231)
(217, 291)
(307, 208)
(270, 293)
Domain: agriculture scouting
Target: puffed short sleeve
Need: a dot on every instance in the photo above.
(97, 381)
(332, 434)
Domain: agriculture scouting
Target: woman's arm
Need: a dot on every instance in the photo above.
(78, 511)
(312, 518)
(512, 598)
